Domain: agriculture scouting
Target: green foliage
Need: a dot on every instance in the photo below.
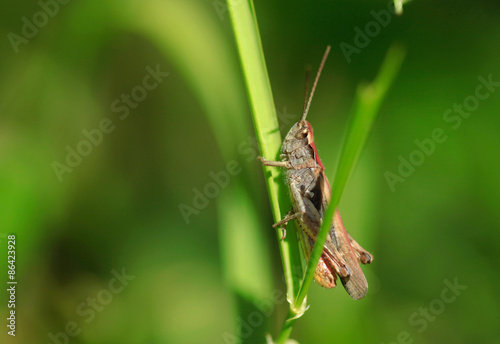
(218, 276)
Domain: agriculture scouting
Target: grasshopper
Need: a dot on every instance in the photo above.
(310, 192)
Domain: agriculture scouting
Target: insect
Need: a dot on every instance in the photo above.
(310, 192)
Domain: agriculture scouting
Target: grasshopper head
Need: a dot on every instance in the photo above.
(300, 135)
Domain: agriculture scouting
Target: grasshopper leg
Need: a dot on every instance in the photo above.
(283, 222)
(286, 164)
(299, 199)
(274, 163)
(289, 217)
(335, 259)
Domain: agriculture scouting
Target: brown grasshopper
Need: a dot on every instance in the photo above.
(311, 193)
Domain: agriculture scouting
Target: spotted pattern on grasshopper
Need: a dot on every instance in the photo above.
(310, 192)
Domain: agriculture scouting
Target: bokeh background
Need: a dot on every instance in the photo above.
(204, 277)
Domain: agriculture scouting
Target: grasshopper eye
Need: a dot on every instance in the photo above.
(302, 134)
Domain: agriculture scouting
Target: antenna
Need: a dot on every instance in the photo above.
(308, 80)
(306, 110)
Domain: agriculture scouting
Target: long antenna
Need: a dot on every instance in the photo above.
(304, 115)
(308, 80)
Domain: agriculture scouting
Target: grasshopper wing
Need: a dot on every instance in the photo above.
(340, 246)
(355, 283)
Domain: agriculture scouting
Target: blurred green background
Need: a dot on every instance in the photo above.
(208, 270)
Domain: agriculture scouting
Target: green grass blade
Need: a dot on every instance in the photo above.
(251, 55)
(398, 6)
